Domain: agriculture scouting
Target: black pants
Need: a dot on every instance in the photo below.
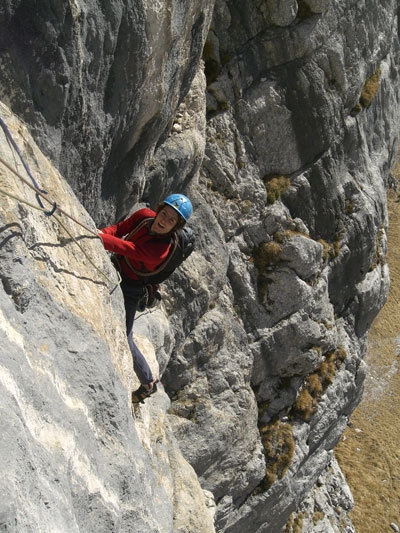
(132, 293)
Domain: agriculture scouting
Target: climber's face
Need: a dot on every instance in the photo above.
(165, 220)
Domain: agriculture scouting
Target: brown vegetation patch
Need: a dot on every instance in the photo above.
(266, 254)
(330, 250)
(277, 440)
(275, 185)
(368, 92)
(307, 400)
(370, 89)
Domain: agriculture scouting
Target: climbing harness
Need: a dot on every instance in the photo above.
(41, 195)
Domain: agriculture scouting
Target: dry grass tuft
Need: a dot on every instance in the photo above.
(266, 254)
(368, 93)
(277, 440)
(275, 185)
(330, 250)
(328, 368)
(307, 400)
(370, 89)
(295, 523)
(304, 405)
(318, 515)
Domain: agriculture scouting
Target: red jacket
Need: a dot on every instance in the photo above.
(146, 251)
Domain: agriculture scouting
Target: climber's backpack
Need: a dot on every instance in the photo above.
(183, 242)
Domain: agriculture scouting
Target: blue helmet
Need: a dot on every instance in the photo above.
(180, 203)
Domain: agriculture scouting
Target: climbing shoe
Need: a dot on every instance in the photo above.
(139, 395)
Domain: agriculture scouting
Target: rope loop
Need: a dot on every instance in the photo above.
(46, 212)
(52, 210)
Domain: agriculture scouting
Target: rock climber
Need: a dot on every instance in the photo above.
(141, 243)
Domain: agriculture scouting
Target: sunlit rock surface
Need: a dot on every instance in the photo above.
(280, 122)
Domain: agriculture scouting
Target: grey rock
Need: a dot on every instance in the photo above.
(325, 508)
(282, 14)
(303, 255)
(74, 457)
(117, 99)
(87, 80)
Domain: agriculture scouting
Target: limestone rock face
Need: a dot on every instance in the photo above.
(280, 121)
(74, 458)
(100, 82)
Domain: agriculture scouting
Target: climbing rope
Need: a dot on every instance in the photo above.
(10, 139)
(40, 194)
(58, 219)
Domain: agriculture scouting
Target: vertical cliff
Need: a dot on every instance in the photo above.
(280, 121)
